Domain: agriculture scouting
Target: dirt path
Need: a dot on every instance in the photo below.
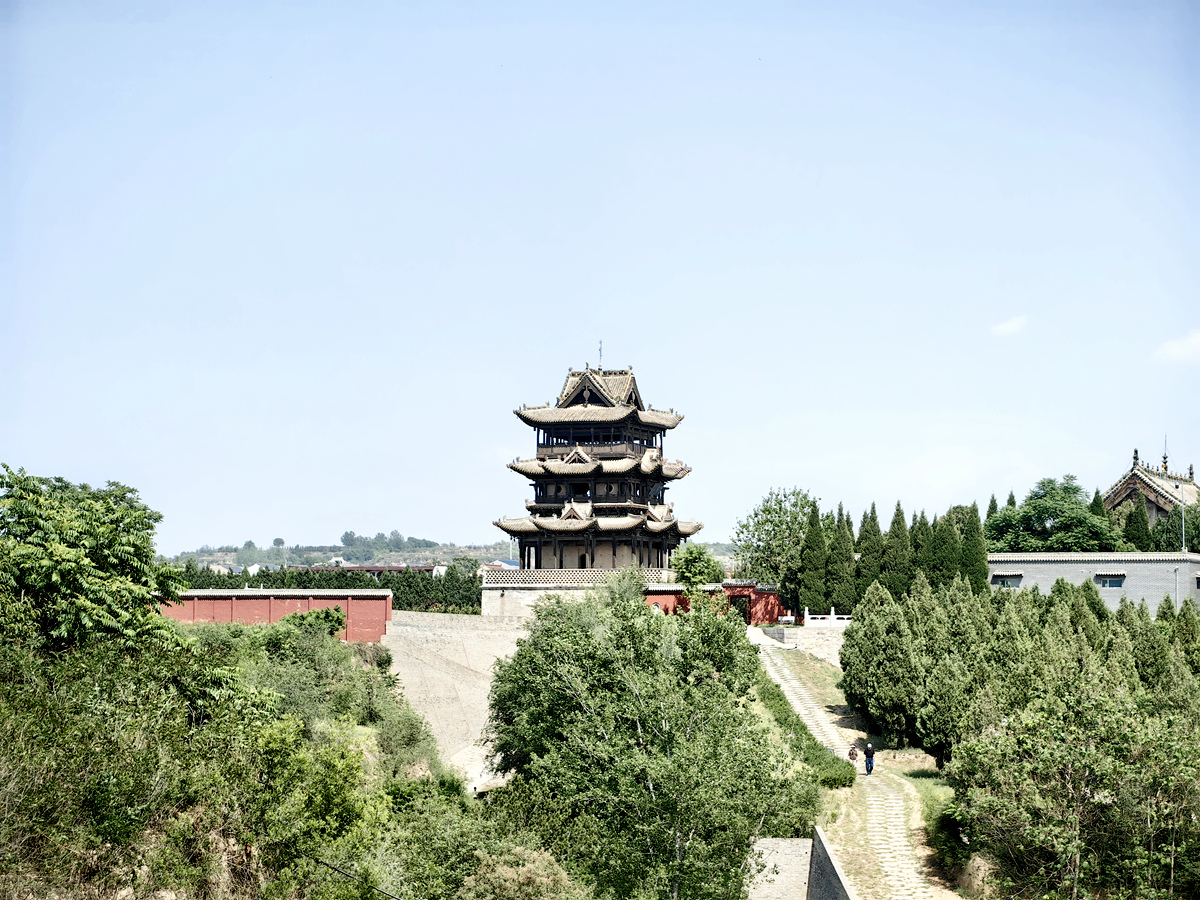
(875, 826)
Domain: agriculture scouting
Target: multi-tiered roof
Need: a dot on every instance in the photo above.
(599, 473)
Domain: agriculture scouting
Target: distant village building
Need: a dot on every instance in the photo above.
(1159, 488)
(599, 479)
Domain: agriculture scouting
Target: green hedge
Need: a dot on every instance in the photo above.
(832, 771)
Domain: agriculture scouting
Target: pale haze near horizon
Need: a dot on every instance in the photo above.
(287, 268)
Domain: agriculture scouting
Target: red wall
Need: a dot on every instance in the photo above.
(764, 606)
(366, 617)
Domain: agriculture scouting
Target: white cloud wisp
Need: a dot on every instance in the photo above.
(1011, 327)
(1180, 350)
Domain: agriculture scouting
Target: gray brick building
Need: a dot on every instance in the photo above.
(1149, 576)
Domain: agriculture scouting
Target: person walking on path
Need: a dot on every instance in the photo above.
(852, 755)
(869, 758)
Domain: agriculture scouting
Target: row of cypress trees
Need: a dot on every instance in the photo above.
(836, 568)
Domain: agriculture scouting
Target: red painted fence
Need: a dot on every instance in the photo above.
(367, 611)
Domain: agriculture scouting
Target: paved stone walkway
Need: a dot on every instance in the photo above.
(890, 808)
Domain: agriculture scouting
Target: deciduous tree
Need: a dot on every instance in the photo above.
(768, 541)
(79, 562)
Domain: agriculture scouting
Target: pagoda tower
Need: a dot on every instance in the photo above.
(599, 479)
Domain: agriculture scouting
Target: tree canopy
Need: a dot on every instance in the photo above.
(634, 755)
(78, 562)
(695, 565)
(767, 542)
(1054, 516)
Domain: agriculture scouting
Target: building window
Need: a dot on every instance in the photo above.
(1006, 579)
(1110, 581)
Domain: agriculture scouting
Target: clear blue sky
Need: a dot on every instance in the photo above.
(288, 267)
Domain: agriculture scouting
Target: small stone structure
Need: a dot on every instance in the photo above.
(367, 611)
(819, 620)
(826, 880)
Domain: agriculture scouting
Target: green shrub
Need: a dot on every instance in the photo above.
(832, 771)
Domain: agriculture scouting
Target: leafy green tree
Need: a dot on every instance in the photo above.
(812, 564)
(634, 755)
(767, 542)
(695, 565)
(1011, 502)
(974, 564)
(78, 562)
(839, 568)
(1097, 507)
(1137, 528)
(870, 552)
(1053, 517)
(897, 569)
(993, 507)
(945, 552)
(1028, 789)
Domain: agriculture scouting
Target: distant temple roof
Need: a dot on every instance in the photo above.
(600, 396)
(1167, 489)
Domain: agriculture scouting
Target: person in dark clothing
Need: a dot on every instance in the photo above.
(869, 757)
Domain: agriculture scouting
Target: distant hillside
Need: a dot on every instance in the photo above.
(394, 549)
(382, 550)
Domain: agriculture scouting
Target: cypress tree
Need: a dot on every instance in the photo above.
(993, 508)
(897, 556)
(1012, 501)
(849, 524)
(1097, 505)
(812, 563)
(1187, 633)
(974, 564)
(839, 569)
(945, 553)
(922, 543)
(1164, 619)
(870, 552)
(1137, 527)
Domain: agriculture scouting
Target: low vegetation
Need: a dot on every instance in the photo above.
(222, 761)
